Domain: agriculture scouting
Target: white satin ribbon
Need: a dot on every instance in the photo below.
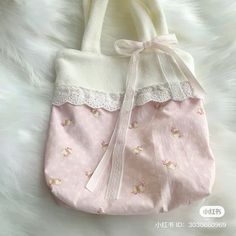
(116, 147)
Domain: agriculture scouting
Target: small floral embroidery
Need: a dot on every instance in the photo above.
(54, 182)
(96, 112)
(138, 188)
(88, 173)
(67, 151)
(100, 211)
(176, 132)
(104, 145)
(169, 164)
(137, 150)
(200, 111)
(133, 125)
(66, 122)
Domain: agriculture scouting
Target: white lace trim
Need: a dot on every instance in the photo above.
(177, 91)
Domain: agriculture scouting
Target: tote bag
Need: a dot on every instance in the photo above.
(128, 132)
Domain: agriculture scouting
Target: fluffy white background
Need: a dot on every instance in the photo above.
(31, 33)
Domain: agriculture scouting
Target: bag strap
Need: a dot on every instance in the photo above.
(94, 13)
(148, 18)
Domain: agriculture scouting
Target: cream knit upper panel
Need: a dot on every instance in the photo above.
(108, 73)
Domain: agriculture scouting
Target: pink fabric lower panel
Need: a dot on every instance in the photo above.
(168, 161)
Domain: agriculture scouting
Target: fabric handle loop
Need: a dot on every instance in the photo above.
(148, 18)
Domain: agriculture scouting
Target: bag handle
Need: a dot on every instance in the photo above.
(94, 12)
(148, 18)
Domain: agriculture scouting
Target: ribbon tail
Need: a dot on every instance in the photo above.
(102, 165)
(116, 147)
(116, 175)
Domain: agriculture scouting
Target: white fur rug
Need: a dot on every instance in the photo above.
(31, 33)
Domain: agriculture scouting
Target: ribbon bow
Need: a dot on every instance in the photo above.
(116, 147)
(130, 47)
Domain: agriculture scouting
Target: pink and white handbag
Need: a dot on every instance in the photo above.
(128, 132)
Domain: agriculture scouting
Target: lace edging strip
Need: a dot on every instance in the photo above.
(177, 91)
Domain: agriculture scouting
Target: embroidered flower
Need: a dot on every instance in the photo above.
(169, 164)
(66, 122)
(67, 151)
(96, 112)
(54, 182)
(88, 173)
(200, 111)
(176, 132)
(133, 125)
(104, 145)
(100, 211)
(137, 150)
(139, 188)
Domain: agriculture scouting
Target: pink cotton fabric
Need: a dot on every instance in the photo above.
(168, 161)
